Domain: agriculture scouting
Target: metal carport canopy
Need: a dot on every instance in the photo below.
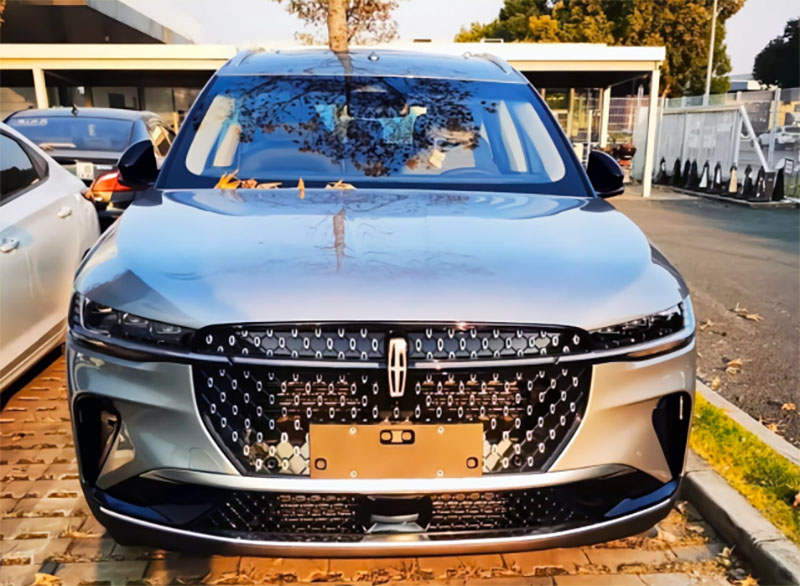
(546, 64)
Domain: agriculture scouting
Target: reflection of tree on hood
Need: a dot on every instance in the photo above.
(361, 122)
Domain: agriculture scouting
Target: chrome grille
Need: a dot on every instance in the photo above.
(368, 342)
(261, 414)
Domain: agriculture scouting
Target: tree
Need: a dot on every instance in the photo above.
(512, 24)
(681, 26)
(583, 21)
(779, 62)
(347, 21)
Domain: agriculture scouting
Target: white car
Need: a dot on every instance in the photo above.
(785, 137)
(46, 227)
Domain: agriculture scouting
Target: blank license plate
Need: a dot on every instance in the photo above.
(84, 170)
(396, 451)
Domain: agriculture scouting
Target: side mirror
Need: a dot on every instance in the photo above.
(605, 174)
(137, 165)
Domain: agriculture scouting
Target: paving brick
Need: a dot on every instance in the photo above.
(42, 489)
(34, 551)
(93, 526)
(47, 507)
(698, 553)
(107, 573)
(442, 568)
(613, 558)
(598, 580)
(7, 505)
(378, 570)
(306, 569)
(17, 575)
(516, 581)
(62, 471)
(135, 553)
(262, 569)
(25, 472)
(45, 527)
(91, 549)
(547, 561)
(668, 579)
(19, 489)
(177, 569)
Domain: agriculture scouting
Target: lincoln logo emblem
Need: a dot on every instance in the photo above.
(398, 352)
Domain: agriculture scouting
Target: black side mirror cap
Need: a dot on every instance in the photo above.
(137, 165)
(605, 174)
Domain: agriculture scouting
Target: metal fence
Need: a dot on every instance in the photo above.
(747, 141)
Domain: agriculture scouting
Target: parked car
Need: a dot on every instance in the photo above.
(372, 306)
(46, 226)
(785, 137)
(89, 141)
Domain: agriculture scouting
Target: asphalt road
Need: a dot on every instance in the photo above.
(733, 255)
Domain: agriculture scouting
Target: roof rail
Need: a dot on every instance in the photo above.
(500, 63)
(243, 55)
(492, 40)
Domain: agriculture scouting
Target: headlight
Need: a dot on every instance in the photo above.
(94, 319)
(650, 328)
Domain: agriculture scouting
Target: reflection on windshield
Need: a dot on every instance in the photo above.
(269, 129)
(75, 133)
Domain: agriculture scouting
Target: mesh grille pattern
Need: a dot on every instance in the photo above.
(285, 513)
(368, 342)
(320, 515)
(298, 342)
(502, 510)
(261, 414)
(472, 343)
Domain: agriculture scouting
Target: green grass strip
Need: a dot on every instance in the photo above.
(764, 477)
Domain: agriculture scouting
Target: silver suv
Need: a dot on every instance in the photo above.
(373, 305)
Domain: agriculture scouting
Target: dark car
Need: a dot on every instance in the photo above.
(89, 141)
(372, 305)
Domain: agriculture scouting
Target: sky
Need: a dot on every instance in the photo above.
(249, 22)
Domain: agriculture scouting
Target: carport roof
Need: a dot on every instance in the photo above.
(547, 65)
(69, 21)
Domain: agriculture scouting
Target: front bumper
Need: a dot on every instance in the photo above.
(127, 528)
(162, 439)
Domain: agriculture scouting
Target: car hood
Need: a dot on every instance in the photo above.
(204, 257)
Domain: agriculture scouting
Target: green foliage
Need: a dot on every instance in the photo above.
(779, 62)
(510, 25)
(682, 26)
(368, 21)
(764, 477)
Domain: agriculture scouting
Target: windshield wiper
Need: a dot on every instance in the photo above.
(229, 181)
(340, 184)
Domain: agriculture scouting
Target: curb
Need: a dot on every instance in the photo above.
(774, 558)
(764, 205)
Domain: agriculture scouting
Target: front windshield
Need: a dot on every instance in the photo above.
(367, 130)
(80, 133)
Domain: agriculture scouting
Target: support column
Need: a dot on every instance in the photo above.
(40, 88)
(650, 144)
(773, 125)
(570, 113)
(604, 117)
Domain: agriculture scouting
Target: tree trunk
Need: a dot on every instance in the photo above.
(337, 26)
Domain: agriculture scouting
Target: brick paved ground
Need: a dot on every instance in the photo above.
(46, 530)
